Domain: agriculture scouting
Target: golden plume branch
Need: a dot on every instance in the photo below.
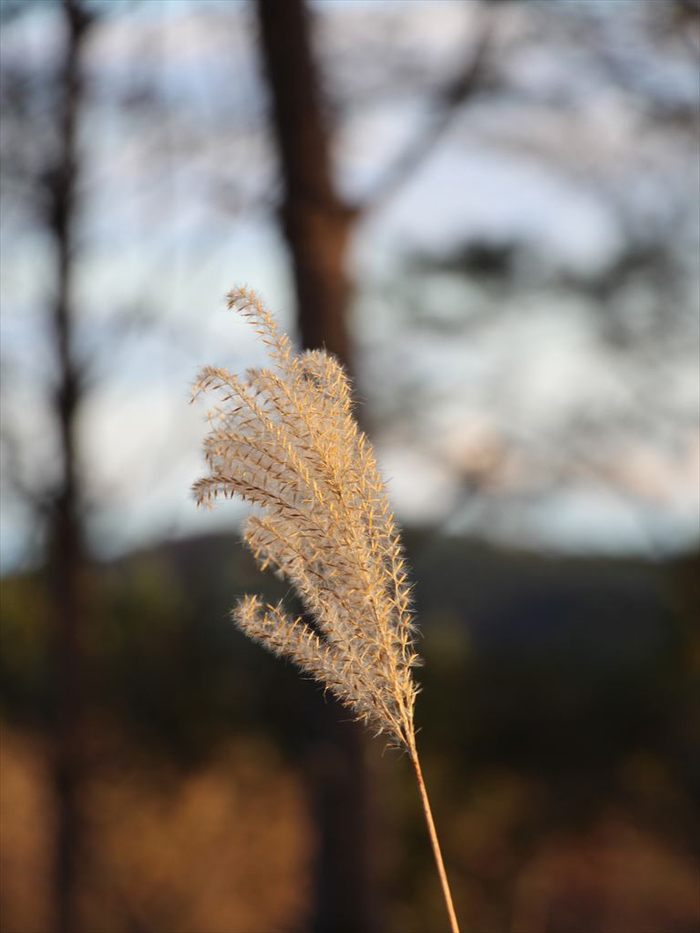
(285, 439)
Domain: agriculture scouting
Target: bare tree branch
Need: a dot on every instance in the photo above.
(456, 91)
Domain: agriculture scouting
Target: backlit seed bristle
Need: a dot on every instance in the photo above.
(285, 439)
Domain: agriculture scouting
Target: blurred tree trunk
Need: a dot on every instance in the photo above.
(317, 225)
(316, 221)
(67, 559)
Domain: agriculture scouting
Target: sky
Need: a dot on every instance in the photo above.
(178, 202)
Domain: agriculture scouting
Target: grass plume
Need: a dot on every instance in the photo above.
(284, 438)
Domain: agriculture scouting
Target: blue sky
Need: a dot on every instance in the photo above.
(165, 237)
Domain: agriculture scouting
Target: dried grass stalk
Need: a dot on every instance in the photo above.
(285, 439)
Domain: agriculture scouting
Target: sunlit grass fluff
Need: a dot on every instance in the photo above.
(285, 439)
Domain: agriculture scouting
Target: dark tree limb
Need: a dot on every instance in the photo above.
(316, 221)
(317, 224)
(444, 109)
(67, 559)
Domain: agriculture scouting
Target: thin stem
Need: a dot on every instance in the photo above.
(454, 926)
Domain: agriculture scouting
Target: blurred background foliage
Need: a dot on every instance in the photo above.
(489, 211)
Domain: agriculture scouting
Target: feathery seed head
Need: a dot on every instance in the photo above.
(285, 439)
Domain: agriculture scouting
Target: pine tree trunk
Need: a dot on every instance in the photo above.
(317, 225)
(316, 221)
(66, 556)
